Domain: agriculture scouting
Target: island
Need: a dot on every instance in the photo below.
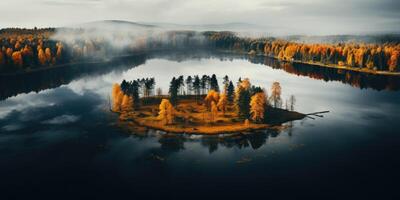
(200, 107)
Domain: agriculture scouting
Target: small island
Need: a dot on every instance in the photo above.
(200, 107)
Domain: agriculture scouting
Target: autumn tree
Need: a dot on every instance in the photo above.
(117, 96)
(257, 106)
(166, 113)
(222, 103)
(47, 54)
(213, 112)
(17, 58)
(275, 98)
(41, 57)
(127, 103)
(212, 96)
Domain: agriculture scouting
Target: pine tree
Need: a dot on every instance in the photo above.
(204, 84)
(242, 99)
(226, 83)
(173, 90)
(214, 83)
(197, 85)
(189, 85)
(230, 92)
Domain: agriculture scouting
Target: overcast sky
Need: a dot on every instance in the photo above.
(313, 17)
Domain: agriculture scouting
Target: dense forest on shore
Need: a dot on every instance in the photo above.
(373, 56)
(26, 49)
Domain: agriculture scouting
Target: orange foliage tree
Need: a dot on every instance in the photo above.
(257, 106)
(166, 113)
(222, 103)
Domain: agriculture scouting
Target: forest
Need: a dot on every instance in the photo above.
(371, 56)
(27, 49)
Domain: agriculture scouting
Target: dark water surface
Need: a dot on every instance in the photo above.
(58, 140)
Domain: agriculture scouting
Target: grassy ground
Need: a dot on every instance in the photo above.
(192, 117)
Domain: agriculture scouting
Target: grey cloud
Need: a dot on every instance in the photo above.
(282, 16)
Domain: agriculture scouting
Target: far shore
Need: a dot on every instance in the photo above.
(319, 64)
(114, 58)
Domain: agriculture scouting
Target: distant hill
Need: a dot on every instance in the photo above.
(210, 27)
(169, 26)
(112, 24)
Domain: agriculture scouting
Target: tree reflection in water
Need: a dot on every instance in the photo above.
(176, 142)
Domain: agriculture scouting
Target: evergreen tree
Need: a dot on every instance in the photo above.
(134, 92)
(243, 103)
(230, 92)
(189, 85)
(173, 90)
(180, 84)
(226, 83)
(204, 84)
(196, 85)
(214, 83)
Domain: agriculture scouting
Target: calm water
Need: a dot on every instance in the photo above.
(58, 139)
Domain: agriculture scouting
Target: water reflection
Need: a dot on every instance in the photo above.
(177, 142)
(11, 85)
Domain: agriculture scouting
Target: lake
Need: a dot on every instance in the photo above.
(59, 140)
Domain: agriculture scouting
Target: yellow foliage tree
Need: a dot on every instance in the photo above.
(245, 83)
(257, 106)
(166, 113)
(275, 98)
(17, 58)
(127, 103)
(59, 50)
(9, 52)
(47, 53)
(41, 57)
(222, 103)
(117, 96)
(212, 96)
(214, 111)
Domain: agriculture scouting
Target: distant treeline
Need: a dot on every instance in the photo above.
(374, 56)
(24, 49)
